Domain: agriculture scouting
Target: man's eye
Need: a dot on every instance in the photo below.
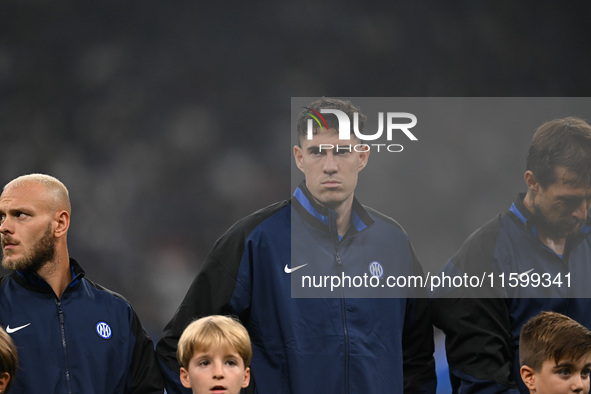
(231, 362)
(585, 372)
(203, 363)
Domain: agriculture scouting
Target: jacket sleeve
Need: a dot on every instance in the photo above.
(417, 342)
(210, 293)
(478, 330)
(478, 343)
(145, 374)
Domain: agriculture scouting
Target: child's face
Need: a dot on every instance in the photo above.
(562, 377)
(216, 371)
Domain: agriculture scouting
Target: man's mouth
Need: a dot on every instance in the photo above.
(216, 389)
(574, 224)
(8, 243)
(331, 182)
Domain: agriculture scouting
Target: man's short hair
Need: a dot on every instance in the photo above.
(561, 143)
(331, 120)
(56, 189)
(8, 357)
(214, 331)
(552, 336)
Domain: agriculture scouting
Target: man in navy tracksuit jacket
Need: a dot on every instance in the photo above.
(541, 248)
(324, 341)
(72, 335)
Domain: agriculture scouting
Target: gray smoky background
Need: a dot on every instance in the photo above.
(169, 121)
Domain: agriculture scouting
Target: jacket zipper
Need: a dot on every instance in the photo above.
(60, 312)
(335, 236)
(345, 330)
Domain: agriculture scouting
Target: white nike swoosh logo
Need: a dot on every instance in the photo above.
(526, 272)
(290, 270)
(11, 330)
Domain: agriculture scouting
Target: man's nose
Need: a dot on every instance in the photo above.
(581, 211)
(5, 225)
(330, 164)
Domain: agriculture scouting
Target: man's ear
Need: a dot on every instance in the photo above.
(63, 223)
(531, 181)
(363, 158)
(528, 375)
(298, 154)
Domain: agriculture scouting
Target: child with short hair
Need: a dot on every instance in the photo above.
(215, 353)
(555, 354)
(8, 361)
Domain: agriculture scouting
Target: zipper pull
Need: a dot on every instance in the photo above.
(60, 311)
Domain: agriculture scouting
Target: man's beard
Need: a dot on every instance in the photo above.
(556, 230)
(40, 253)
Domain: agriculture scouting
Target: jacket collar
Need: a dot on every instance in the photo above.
(321, 216)
(524, 216)
(32, 281)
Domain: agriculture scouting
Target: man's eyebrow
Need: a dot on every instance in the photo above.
(573, 198)
(22, 209)
(320, 147)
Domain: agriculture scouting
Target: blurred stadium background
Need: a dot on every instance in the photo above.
(168, 121)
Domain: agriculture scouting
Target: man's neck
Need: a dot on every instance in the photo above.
(557, 244)
(343, 223)
(57, 274)
(343, 212)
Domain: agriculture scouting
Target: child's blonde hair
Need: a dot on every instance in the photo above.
(214, 331)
